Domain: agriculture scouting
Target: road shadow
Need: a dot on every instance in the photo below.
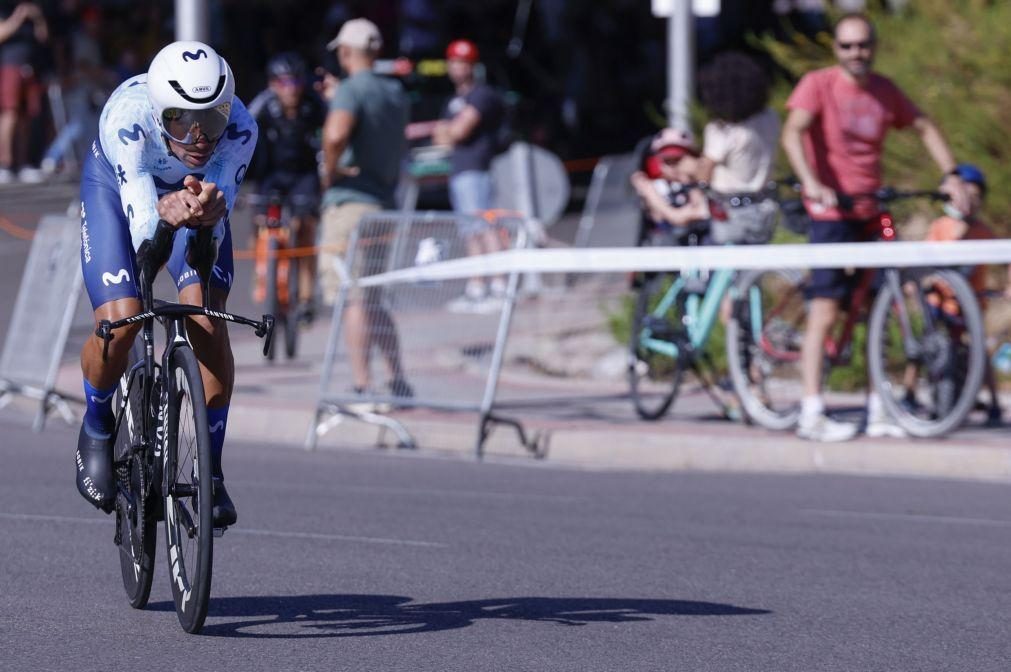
(316, 616)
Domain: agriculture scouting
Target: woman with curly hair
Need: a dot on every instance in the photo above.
(739, 143)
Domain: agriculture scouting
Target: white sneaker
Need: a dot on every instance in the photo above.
(822, 428)
(498, 288)
(488, 305)
(475, 290)
(6, 175)
(880, 425)
(48, 166)
(30, 175)
(461, 304)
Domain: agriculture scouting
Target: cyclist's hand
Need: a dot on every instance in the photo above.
(180, 208)
(211, 199)
(820, 196)
(954, 187)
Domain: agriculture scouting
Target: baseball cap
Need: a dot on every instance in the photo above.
(463, 50)
(358, 34)
(673, 142)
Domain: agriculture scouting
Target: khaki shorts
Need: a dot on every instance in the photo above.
(337, 224)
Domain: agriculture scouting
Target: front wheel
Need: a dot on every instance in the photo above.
(135, 520)
(764, 336)
(655, 360)
(273, 291)
(188, 497)
(926, 350)
(291, 317)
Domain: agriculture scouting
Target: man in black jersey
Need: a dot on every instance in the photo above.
(290, 118)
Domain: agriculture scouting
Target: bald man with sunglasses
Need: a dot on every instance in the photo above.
(834, 138)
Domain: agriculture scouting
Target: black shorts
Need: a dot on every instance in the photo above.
(299, 190)
(833, 283)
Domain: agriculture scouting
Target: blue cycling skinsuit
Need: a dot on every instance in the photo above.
(128, 169)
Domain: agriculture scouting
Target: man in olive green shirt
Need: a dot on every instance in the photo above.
(363, 144)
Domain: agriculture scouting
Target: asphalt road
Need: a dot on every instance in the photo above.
(370, 561)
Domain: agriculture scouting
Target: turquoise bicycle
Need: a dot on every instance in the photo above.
(674, 317)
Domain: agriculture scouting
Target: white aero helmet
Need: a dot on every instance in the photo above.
(190, 88)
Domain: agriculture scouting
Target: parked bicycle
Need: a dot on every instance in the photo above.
(924, 331)
(675, 313)
(162, 444)
(277, 267)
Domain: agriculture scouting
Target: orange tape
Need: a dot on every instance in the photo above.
(15, 230)
(581, 165)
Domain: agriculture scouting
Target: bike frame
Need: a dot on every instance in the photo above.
(701, 310)
(837, 350)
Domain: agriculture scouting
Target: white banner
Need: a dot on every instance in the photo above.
(740, 257)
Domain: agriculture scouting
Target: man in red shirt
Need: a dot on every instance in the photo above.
(834, 137)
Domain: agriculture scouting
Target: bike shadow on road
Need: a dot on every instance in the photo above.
(317, 616)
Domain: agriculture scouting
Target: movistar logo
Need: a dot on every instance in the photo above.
(232, 132)
(110, 279)
(191, 56)
(102, 400)
(133, 135)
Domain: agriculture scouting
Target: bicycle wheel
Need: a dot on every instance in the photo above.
(136, 525)
(188, 499)
(926, 350)
(291, 311)
(273, 299)
(764, 336)
(655, 362)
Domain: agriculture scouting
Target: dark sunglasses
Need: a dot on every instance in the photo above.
(866, 45)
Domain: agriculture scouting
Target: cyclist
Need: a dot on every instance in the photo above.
(173, 144)
(291, 121)
(834, 137)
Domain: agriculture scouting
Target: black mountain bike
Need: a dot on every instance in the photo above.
(162, 444)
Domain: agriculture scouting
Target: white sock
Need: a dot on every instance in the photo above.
(811, 406)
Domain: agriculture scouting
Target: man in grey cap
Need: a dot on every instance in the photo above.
(363, 144)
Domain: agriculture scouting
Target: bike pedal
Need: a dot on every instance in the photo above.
(219, 532)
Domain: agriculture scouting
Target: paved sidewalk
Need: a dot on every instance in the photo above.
(589, 421)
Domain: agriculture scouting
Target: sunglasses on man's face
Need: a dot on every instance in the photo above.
(866, 45)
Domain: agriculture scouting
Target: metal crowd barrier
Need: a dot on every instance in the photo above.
(43, 313)
(411, 326)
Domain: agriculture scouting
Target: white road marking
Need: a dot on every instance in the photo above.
(911, 517)
(422, 492)
(336, 537)
(253, 532)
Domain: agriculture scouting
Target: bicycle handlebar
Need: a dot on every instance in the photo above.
(201, 253)
(889, 195)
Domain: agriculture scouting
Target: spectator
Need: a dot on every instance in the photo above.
(955, 225)
(22, 30)
(290, 119)
(664, 186)
(739, 146)
(471, 124)
(86, 86)
(834, 137)
(363, 144)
